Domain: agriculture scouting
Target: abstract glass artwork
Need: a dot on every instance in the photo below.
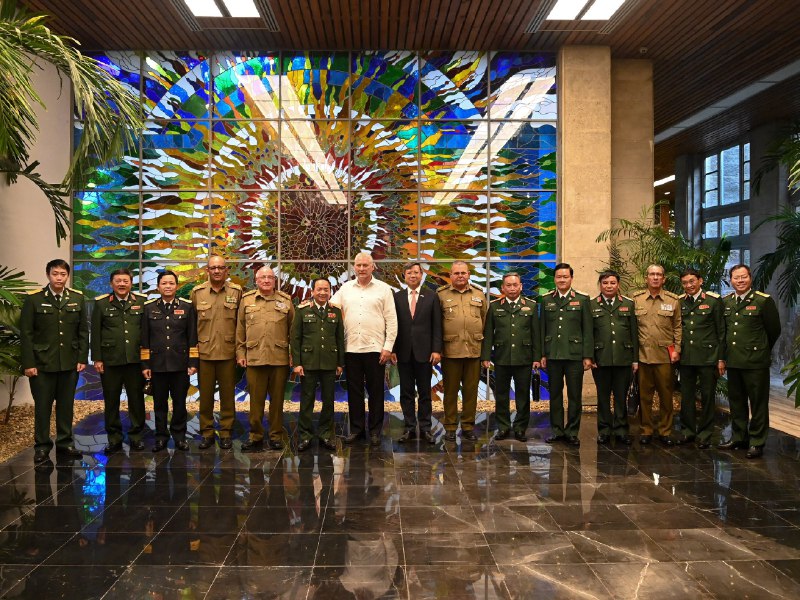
(299, 160)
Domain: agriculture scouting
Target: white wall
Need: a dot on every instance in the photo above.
(27, 224)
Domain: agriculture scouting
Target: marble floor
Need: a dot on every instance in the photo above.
(449, 520)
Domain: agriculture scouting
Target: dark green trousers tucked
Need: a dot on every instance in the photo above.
(521, 374)
(308, 392)
(612, 418)
(704, 379)
(749, 385)
(114, 378)
(571, 371)
(46, 387)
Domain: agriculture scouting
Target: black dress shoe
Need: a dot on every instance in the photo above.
(501, 434)
(137, 445)
(555, 438)
(644, 440)
(573, 440)
(450, 436)
(206, 442)
(329, 443)
(407, 435)
(351, 438)
(520, 436)
(602, 438)
(731, 445)
(226, 443)
(251, 446)
(111, 448)
(69, 452)
(374, 440)
(303, 445)
(683, 439)
(160, 445)
(429, 437)
(755, 452)
(276, 445)
(469, 435)
(181, 445)
(666, 440)
(703, 445)
(39, 456)
(625, 439)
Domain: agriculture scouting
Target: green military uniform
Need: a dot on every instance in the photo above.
(567, 339)
(116, 341)
(262, 337)
(659, 320)
(616, 348)
(55, 339)
(701, 350)
(752, 328)
(511, 340)
(216, 343)
(463, 319)
(317, 344)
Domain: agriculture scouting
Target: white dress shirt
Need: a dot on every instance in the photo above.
(370, 320)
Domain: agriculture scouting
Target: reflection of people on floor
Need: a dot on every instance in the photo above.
(126, 522)
(371, 568)
(217, 525)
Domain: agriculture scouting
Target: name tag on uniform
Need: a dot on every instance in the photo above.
(72, 304)
(575, 303)
(137, 307)
(703, 306)
(47, 305)
(178, 312)
(750, 307)
(667, 307)
(623, 309)
(526, 308)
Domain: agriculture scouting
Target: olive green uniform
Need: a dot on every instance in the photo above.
(511, 340)
(116, 341)
(55, 339)
(616, 348)
(463, 320)
(216, 343)
(318, 346)
(703, 343)
(752, 328)
(659, 320)
(567, 339)
(262, 337)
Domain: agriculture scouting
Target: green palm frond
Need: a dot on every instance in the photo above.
(785, 255)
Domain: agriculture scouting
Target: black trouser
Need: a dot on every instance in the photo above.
(364, 369)
(415, 379)
(522, 396)
(112, 380)
(45, 388)
(308, 392)
(612, 381)
(752, 385)
(572, 371)
(166, 384)
(706, 375)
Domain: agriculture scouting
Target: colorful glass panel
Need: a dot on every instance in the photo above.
(315, 85)
(384, 85)
(246, 86)
(106, 225)
(175, 226)
(453, 155)
(385, 155)
(176, 85)
(245, 155)
(175, 155)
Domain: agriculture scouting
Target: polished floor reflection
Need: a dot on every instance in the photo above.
(465, 520)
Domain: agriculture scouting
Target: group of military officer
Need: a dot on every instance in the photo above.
(167, 339)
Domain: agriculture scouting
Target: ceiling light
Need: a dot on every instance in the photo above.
(203, 8)
(663, 181)
(566, 10)
(602, 10)
(241, 8)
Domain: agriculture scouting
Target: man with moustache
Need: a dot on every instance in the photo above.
(216, 302)
(511, 340)
(752, 327)
(116, 342)
(464, 309)
(262, 346)
(54, 332)
(702, 348)
(417, 349)
(370, 329)
(318, 358)
(616, 356)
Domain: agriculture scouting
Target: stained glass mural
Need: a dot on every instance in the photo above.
(299, 160)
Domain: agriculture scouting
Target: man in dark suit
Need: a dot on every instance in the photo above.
(417, 348)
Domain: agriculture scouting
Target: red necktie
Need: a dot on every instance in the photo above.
(413, 302)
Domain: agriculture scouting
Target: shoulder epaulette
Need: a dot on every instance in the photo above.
(73, 290)
(250, 293)
(304, 304)
(151, 301)
(712, 294)
(639, 293)
(184, 300)
(669, 294)
(496, 300)
(683, 296)
(731, 295)
(200, 286)
(626, 298)
(581, 293)
(32, 292)
(234, 286)
(138, 295)
(762, 294)
(284, 294)
(442, 288)
(544, 292)
(101, 296)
